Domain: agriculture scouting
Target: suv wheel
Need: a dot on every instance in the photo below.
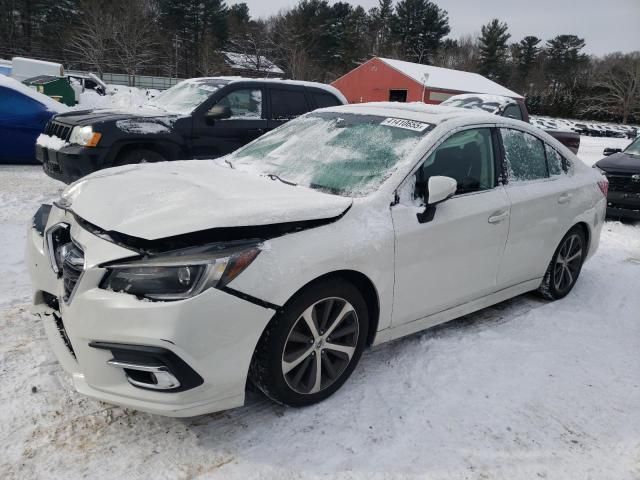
(140, 155)
(566, 264)
(310, 349)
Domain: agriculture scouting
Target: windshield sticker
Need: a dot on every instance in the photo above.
(406, 124)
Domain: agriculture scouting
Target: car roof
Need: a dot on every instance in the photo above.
(418, 111)
(275, 81)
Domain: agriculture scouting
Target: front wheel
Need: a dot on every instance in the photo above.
(566, 264)
(311, 348)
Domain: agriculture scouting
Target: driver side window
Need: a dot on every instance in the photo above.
(245, 104)
(467, 157)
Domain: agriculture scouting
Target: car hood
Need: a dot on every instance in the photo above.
(155, 201)
(90, 117)
(620, 162)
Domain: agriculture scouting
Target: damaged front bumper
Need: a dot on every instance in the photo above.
(120, 349)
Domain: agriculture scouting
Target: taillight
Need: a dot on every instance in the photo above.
(604, 186)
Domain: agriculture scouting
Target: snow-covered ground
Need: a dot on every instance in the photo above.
(526, 389)
(120, 97)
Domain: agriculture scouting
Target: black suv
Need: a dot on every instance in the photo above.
(622, 169)
(197, 118)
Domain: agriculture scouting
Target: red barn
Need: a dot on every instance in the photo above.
(384, 79)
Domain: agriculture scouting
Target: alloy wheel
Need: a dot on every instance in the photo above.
(568, 263)
(320, 345)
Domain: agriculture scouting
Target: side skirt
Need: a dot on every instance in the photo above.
(466, 308)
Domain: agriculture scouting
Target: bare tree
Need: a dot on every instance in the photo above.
(135, 38)
(617, 87)
(256, 48)
(92, 40)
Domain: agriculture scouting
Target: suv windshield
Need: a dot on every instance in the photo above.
(341, 153)
(186, 96)
(634, 148)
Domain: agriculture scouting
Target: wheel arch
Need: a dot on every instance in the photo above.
(366, 287)
(168, 149)
(587, 233)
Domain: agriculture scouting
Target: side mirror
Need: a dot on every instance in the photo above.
(440, 189)
(218, 112)
(611, 151)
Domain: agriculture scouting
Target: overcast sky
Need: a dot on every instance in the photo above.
(606, 25)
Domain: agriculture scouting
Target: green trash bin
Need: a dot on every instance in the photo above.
(55, 87)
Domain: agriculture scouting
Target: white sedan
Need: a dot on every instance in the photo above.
(165, 287)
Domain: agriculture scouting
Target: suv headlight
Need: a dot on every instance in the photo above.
(84, 136)
(180, 274)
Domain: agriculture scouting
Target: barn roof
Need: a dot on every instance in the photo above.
(448, 79)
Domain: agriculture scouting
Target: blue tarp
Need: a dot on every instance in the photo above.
(22, 119)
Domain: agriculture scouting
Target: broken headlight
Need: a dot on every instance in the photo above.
(179, 274)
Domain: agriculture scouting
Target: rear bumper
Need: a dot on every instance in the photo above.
(71, 163)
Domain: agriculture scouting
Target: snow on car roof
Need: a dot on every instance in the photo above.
(418, 111)
(448, 79)
(302, 83)
(48, 102)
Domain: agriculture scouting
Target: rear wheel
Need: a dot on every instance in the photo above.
(139, 155)
(566, 264)
(310, 349)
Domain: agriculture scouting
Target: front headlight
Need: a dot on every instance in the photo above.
(84, 136)
(180, 274)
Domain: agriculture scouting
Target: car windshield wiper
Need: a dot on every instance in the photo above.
(273, 176)
(229, 163)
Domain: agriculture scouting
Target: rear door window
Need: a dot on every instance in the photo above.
(288, 104)
(555, 161)
(525, 156)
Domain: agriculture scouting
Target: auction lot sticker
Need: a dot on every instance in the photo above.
(406, 124)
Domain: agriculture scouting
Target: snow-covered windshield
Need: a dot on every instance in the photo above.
(184, 97)
(634, 148)
(340, 153)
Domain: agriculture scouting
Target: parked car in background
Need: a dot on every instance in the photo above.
(88, 81)
(508, 107)
(622, 169)
(23, 115)
(165, 287)
(197, 118)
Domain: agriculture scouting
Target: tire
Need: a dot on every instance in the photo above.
(565, 266)
(139, 155)
(286, 360)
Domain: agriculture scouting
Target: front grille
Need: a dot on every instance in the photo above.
(623, 183)
(72, 268)
(56, 129)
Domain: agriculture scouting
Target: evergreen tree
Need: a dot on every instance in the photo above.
(494, 50)
(420, 26)
(381, 20)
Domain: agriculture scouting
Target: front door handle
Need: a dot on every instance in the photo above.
(564, 198)
(498, 217)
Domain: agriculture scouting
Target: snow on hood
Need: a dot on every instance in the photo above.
(154, 201)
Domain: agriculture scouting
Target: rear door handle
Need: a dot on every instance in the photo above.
(564, 198)
(498, 216)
